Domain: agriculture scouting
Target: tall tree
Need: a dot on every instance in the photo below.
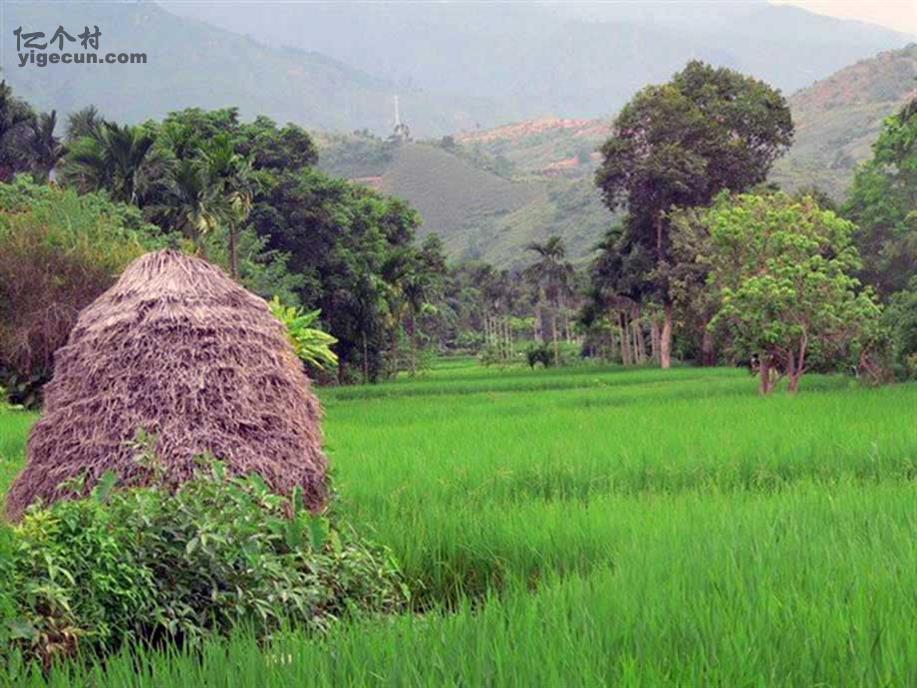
(232, 173)
(288, 148)
(695, 303)
(551, 273)
(115, 158)
(883, 202)
(784, 272)
(194, 204)
(421, 285)
(340, 237)
(84, 122)
(45, 148)
(15, 119)
(678, 145)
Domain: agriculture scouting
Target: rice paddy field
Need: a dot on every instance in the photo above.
(599, 526)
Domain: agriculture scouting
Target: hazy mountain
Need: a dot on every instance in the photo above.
(579, 60)
(191, 63)
(480, 208)
(463, 69)
(838, 119)
(480, 214)
(455, 66)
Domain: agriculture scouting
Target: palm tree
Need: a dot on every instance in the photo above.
(551, 274)
(192, 203)
(85, 122)
(15, 118)
(232, 175)
(417, 287)
(45, 149)
(114, 157)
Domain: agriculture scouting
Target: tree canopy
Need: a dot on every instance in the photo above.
(677, 145)
(783, 269)
(883, 202)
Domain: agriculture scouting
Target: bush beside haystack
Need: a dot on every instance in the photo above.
(177, 350)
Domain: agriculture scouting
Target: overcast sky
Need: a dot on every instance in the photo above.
(900, 15)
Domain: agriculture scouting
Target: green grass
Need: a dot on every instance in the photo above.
(594, 526)
(14, 427)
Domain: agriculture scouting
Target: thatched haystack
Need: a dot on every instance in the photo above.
(177, 349)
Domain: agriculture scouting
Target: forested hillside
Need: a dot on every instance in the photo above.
(489, 192)
(481, 206)
(838, 119)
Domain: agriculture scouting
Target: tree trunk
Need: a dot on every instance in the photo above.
(764, 369)
(504, 338)
(554, 337)
(233, 254)
(707, 349)
(796, 368)
(395, 333)
(793, 373)
(566, 316)
(413, 337)
(632, 333)
(626, 358)
(654, 339)
(511, 336)
(612, 342)
(365, 359)
(539, 323)
(639, 340)
(665, 338)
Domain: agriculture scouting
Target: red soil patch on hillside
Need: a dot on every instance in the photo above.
(886, 77)
(372, 182)
(591, 128)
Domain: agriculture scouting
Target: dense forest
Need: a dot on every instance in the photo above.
(696, 267)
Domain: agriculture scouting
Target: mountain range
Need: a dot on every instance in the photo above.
(535, 59)
(507, 102)
(490, 192)
(838, 118)
(193, 64)
(454, 65)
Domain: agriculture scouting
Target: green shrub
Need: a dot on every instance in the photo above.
(568, 353)
(493, 354)
(144, 566)
(901, 319)
(469, 342)
(312, 345)
(58, 252)
(7, 606)
(539, 352)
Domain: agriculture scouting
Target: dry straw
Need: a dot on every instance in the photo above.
(178, 350)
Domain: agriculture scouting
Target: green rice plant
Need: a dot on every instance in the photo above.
(599, 525)
(804, 587)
